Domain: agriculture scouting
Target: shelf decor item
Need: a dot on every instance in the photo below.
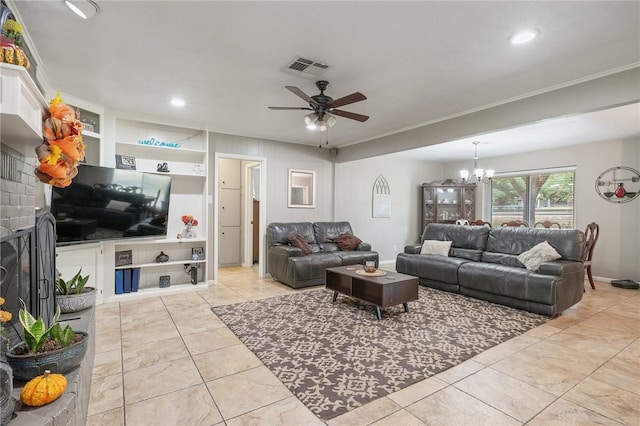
(63, 147)
(10, 41)
(190, 223)
(162, 257)
(165, 281)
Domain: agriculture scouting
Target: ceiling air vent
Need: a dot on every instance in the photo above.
(303, 67)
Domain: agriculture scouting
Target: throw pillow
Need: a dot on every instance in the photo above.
(297, 240)
(347, 242)
(436, 247)
(536, 255)
(118, 205)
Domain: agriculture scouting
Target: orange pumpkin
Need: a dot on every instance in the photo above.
(43, 389)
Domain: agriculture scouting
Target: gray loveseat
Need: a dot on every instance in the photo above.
(290, 266)
(483, 263)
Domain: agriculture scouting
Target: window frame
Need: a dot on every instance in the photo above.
(528, 212)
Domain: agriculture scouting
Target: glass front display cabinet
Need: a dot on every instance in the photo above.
(447, 203)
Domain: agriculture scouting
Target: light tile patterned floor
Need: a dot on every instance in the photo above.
(171, 361)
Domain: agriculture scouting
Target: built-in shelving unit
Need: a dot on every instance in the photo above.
(184, 149)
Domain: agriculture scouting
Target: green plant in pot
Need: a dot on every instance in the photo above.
(73, 295)
(53, 348)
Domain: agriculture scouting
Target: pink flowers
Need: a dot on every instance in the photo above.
(189, 220)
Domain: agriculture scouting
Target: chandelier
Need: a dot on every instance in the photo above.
(479, 175)
(319, 122)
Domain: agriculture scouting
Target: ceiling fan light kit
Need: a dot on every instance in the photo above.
(325, 107)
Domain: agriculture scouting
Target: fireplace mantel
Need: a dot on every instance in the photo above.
(21, 109)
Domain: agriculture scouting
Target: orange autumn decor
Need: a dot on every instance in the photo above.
(10, 41)
(43, 389)
(62, 148)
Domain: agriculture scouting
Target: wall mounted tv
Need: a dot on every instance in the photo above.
(104, 203)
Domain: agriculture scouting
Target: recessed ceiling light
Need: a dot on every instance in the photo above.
(83, 8)
(524, 36)
(176, 102)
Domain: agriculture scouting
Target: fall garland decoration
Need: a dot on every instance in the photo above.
(62, 148)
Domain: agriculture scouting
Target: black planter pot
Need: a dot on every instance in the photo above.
(62, 361)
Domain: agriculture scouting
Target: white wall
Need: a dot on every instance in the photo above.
(280, 158)
(616, 254)
(354, 198)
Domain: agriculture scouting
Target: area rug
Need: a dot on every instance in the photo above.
(335, 357)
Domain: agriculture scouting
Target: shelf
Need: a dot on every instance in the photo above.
(160, 152)
(159, 264)
(86, 133)
(157, 291)
(135, 241)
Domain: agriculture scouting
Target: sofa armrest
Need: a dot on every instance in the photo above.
(415, 249)
(363, 247)
(286, 251)
(560, 267)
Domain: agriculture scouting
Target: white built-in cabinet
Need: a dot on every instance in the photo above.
(229, 211)
(185, 150)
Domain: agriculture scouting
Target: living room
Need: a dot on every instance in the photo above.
(345, 173)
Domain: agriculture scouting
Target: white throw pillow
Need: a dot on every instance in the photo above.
(436, 247)
(534, 257)
(118, 205)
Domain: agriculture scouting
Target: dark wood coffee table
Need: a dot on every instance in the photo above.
(382, 291)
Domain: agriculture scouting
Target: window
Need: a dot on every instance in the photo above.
(534, 197)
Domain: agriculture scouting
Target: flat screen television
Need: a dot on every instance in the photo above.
(104, 203)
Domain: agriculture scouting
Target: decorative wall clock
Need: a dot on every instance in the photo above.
(618, 184)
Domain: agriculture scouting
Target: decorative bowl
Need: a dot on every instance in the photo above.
(370, 266)
(608, 194)
(630, 194)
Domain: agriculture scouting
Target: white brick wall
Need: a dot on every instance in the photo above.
(17, 199)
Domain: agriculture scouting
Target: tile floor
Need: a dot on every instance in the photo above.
(171, 361)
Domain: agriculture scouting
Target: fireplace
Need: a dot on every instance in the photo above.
(28, 272)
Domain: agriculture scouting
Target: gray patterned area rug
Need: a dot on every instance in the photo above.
(336, 356)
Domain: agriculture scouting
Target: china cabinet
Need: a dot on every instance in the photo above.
(446, 203)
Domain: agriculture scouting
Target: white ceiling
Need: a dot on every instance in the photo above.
(417, 62)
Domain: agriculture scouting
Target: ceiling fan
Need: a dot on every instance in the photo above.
(325, 107)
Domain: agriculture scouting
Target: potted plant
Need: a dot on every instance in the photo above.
(54, 348)
(73, 295)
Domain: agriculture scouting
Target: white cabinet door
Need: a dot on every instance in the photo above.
(229, 207)
(229, 173)
(229, 245)
(69, 260)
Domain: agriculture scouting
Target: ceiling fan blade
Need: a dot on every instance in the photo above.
(301, 94)
(351, 115)
(286, 108)
(346, 100)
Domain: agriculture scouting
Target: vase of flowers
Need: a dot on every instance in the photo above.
(190, 223)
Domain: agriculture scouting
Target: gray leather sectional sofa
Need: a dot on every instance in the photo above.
(483, 263)
(290, 266)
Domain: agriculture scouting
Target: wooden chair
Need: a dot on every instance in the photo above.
(592, 232)
(519, 223)
(548, 224)
(480, 222)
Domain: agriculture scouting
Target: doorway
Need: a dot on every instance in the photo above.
(252, 189)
